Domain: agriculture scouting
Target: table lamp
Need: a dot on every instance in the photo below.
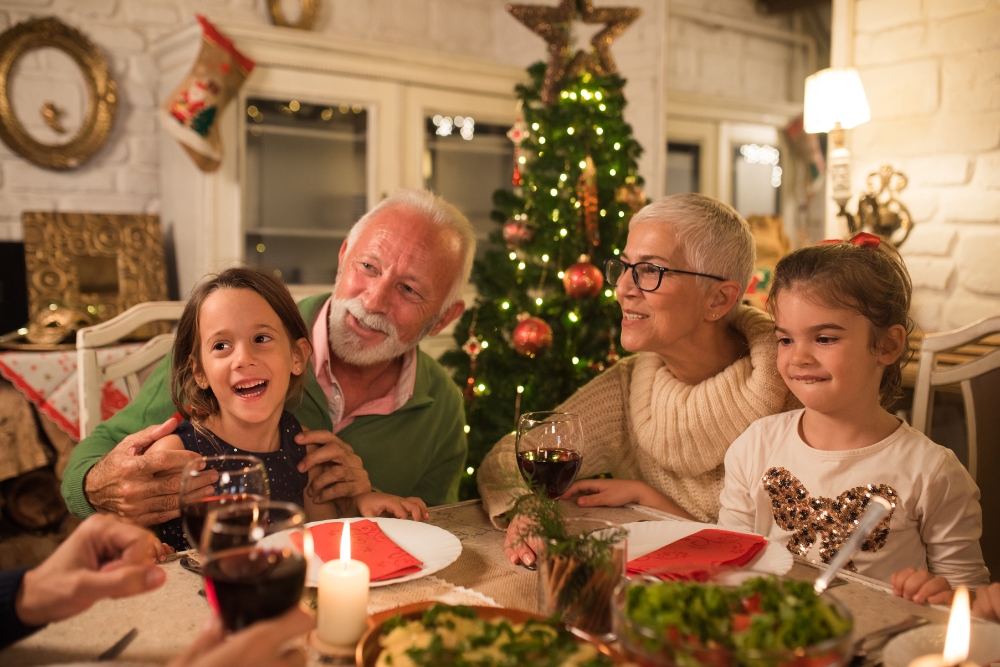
(835, 101)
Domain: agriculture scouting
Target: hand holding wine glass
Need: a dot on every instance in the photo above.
(231, 478)
(549, 450)
(254, 567)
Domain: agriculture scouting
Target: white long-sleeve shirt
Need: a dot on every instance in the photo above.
(805, 498)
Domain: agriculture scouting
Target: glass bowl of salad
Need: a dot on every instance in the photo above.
(725, 617)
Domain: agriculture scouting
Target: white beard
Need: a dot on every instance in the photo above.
(350, 347)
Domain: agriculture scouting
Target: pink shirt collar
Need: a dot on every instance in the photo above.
(393, 400)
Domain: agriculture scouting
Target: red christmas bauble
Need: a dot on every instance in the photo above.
(531, 336)
(583, 279)
(517, 232)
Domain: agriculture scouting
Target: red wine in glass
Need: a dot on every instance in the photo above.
(210, 482)
(552, 469)
(253, 584)
(193, 513)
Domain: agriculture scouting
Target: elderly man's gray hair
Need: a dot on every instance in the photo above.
(714, 238)
(438, 212)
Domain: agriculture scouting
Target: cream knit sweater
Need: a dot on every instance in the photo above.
(639, 422)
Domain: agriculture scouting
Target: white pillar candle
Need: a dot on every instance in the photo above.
(342, 611)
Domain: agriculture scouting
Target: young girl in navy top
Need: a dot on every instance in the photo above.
(239, 356)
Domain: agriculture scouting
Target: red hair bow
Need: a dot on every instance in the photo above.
(863, 239)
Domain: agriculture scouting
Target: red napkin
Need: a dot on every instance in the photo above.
(706, 548)
(384, 558)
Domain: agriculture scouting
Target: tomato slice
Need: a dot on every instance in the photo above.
(741, 622)
(752, 604)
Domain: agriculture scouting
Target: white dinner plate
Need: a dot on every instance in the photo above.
(435, 547)
(984, 644)
(648, 536)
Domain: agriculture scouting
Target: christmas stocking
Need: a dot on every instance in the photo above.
(192, 111)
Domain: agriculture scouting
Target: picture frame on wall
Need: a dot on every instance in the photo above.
(96, 264)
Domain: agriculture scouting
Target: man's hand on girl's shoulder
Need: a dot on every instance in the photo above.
(136, 486)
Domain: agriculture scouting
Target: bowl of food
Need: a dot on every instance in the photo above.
(730, 618)
(431, 633)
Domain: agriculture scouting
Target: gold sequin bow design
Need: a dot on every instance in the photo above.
(830, 520)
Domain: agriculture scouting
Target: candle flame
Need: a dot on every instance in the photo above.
(307, 546)
(956, 643)
(345, 544)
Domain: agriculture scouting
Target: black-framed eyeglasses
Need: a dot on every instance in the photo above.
(647, 276)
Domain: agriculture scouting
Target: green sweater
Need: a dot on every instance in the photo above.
(418, 450)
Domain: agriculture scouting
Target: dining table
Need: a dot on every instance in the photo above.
(169, 618)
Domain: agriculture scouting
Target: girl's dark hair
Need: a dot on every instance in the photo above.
(872, 282)
(193, 402)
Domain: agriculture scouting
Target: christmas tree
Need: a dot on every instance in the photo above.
(545, 323)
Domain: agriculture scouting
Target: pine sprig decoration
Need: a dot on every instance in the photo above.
(585, 121)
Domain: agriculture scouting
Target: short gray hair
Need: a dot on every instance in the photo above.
(439, 212)
(714, 238)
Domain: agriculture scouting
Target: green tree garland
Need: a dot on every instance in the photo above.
(585, 121)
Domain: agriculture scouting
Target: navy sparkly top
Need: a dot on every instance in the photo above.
(285, 482)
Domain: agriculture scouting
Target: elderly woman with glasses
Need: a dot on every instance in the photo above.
(660, 421)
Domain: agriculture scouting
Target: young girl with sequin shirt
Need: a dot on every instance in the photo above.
(239, 356)
(802, 478)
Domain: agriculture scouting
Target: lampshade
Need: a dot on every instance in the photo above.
(835, 95)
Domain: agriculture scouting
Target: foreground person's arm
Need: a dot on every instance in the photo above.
(102, 558)
(110, 488)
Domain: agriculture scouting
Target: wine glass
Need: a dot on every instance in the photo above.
(254, 565)
(549, 450)
(231, 479)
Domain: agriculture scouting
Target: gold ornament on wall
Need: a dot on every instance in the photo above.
(98, 264)
(102, 95)
(307, 19)
(880, 211)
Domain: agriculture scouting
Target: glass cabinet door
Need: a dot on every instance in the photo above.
(756, 179)
(306, 184)
(465, 162)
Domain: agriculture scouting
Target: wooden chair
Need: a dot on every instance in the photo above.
(975, 367)
(92, 375)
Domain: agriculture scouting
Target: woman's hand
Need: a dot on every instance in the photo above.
(987, 603)
(374, 504)
(618, 492)
(515, 545)
(606, 492)
(921, 586)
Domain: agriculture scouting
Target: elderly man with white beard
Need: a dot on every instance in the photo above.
(382, 413)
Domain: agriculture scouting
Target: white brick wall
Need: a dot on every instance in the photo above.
(931, 69)
(728, 62)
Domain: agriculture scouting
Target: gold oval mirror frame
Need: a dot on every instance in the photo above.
(101, 91)
(310, 10)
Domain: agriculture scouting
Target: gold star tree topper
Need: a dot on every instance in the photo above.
(554, 25)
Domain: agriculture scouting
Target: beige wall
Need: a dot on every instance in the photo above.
(931, 69)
